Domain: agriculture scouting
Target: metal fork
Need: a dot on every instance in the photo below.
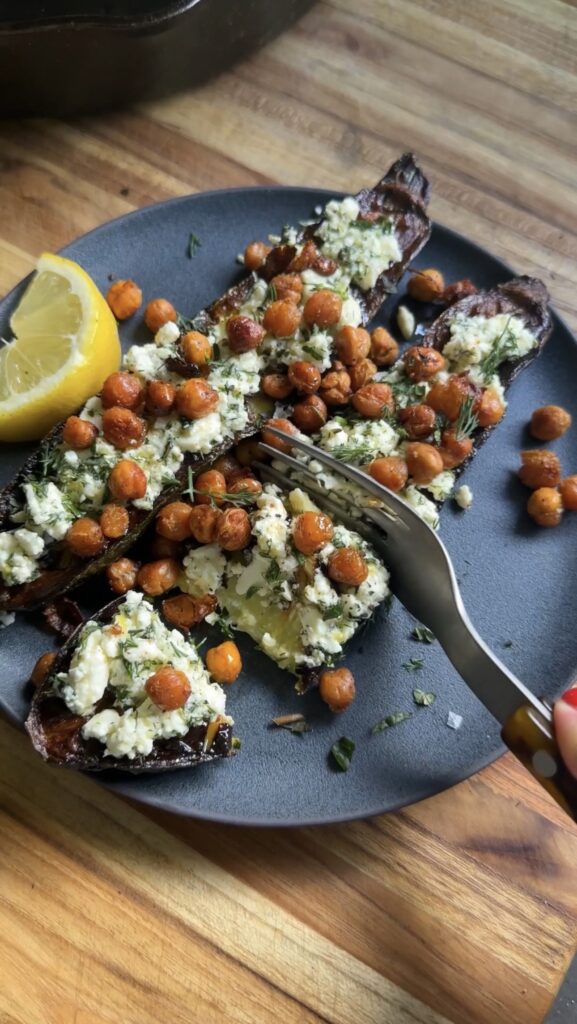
(408, 547)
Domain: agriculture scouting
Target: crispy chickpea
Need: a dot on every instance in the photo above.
(123, 428)
(489, 408)
(196, 399)
(424, 462)
(310, 414)
(545, 506)
(224, 662)
(246, 485)
(568, 491)
(162, 547)
(447, 397)
(114, 521)
(352, 344)
(361, 373)
(337, 688)
(233, 529)
(282, 318)
(323, 308)
(85, 538)
(240, 473)
(311, 531)
(458, 290)
(274, 442)
(540, 468)
(305, 377)
(421, 363)
(276, 385)
(227, 465)
(121, 575)
(209, 488)
(384, 348)
(418, 421)
(454, 449)
(307, 258)
(390, 471)
(78, 434)
(247, 452)
(124, 298)
(127, 481)
(42, 668)
(347, 567)
(335, 386)
(372, 400)
(204, 520)
(184, 611)
(288, 287)
(255, 255)
(168, 688)
(157, 313)
(426, 285)
(160, 397)
(157, 577)
(244, 333)
(196, 348)
(550, 422)
(122, 389)
(173, 521)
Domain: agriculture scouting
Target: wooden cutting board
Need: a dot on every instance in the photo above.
(463, 908)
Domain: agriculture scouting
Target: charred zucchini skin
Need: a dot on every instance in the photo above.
(56, 732)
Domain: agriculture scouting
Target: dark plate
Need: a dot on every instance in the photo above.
(517, 580)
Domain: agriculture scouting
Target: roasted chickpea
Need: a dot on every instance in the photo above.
(274, 442)
(173, 521)
(162, 547)
(545, 506)
(114, 521)
(157, 577)
(550, 422)
(157, 313)
(127, 481)
(282, 318)
(255, 255)
(246, 485)
(418, 420)
(42, 668)
(160, 397)
(352, 344)
(310, 414)
(240, 473)
(85, 538)
(276, 385)
(335, 386)
(568, 491)
(337, 688)
(196, 399)
(347, 567)
(196, 348)
(227, 465)
(424, 462)
(204, 520)
(121, 575)
(278, 261)
(426, 285)
(323, 308)
(454, 449)
(122, 389)
(305, 377)
(123, 428)
(489, 408)
(458, 290)
(79, 434)
(306, 259)
(372, 400)
(389, 471)
(384, 348)
(361, 373)
(422, 363)
(447, 397)
(233, 529)
(224, 662)
(124, 298)
(244, 333)
(168, 688)
(311, 531)
(288, 287)
(248, 451)
(184, 611)
(209, 488)
(540, 468)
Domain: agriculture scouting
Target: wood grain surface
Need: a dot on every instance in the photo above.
(462, 909)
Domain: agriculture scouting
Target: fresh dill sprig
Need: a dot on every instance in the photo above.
(503, 348)
(466, 422)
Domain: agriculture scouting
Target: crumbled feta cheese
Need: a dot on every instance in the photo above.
(442, 485)
(19, 553)
(46, 508)
(406, 322)
(422, 505)
(464, 496)
(316, 348)
(454, 721)
(364, 249)
(474, 338)
(167, 335)
(6, 619)
(203, 570)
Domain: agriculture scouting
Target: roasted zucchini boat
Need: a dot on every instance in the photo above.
(183, 400)
(127, 692)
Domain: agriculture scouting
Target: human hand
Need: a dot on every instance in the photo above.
(565, 720)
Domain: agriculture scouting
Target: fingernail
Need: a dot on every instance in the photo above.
(571, 697)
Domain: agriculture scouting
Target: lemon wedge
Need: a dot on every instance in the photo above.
(65, 345)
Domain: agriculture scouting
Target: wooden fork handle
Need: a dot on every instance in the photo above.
(530, 736)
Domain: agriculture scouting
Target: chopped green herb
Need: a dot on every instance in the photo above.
(466, 422)
(342, 752)
(391, 720)
(273, 573)
(271, 294)
(193, 245)
(236, 743)
(334, 612)
(407, 393)
(352, 452)
(252, 591)
(423, 634)
(413, 664)
(423, 698)
(184, 324)
(503, 348)
(292, 723)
